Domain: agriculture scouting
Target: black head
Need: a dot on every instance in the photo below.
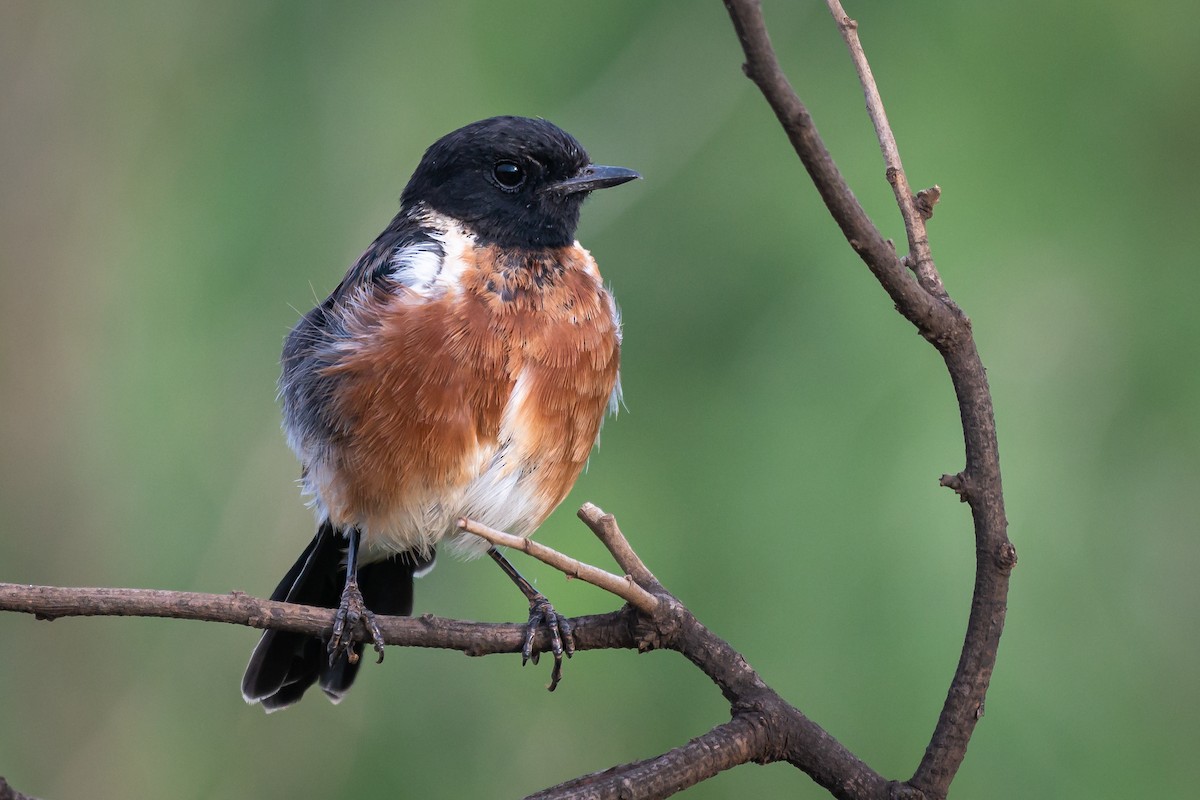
(515, 181)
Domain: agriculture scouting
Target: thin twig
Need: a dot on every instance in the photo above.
(920, 257)
(623, 588)
(606, 529)
(762, 66)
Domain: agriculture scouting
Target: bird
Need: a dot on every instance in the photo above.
(461, 369)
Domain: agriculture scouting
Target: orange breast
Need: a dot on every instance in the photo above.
(483, 402)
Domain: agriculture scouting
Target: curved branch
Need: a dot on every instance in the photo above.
(728, 745)
(924, 302)
(779, 731)
(995, 556)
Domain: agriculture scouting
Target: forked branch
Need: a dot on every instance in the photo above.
(624, 588)
(923, 302)
(763, 727)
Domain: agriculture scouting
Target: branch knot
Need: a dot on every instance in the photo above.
(926, 199)
(660, 630)
(1006, 556)
(959, 483)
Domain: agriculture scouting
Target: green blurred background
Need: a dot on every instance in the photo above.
(179, 179)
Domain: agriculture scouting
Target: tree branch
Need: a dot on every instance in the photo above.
(728, 745)
(606, 529)
(9, 793)
(763, 726)
(923, 302)
(603, 631)
(623, 588)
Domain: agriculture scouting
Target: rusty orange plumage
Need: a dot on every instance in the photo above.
(425, 388)
(462, 368)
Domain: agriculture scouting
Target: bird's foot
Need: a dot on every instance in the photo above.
(562, 637)
(351, 611)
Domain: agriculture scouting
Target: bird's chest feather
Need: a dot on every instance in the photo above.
(478, 393)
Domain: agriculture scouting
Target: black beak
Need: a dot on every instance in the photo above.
(593, 177)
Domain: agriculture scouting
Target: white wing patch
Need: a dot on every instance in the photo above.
(418, 266)
(433, 269)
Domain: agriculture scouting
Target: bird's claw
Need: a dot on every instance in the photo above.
(351, 611)
(562, 636)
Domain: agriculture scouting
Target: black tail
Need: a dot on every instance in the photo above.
(285, 664)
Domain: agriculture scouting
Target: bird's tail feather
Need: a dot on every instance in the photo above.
(284, 664)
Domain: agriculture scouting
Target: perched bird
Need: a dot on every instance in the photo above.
(461, 368)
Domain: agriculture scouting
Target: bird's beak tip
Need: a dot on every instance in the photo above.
(595, 176)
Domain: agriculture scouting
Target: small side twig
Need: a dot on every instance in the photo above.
(919, 260)
(624, 588)
(762, 66)
(606, 529)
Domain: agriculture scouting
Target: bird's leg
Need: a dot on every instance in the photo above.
(562, 639)
(352, 610)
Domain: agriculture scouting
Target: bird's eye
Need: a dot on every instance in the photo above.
(509, 175)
